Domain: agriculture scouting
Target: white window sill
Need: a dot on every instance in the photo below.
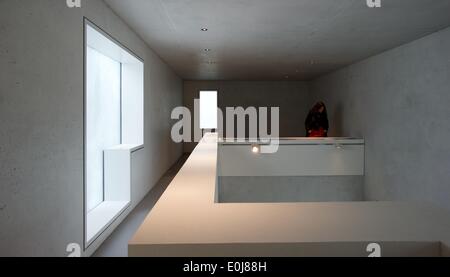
(131, 147)
(99, 219)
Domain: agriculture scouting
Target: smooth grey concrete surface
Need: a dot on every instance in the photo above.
(269, 39)
(116, 245)
(399, 101)
(41, 126)
(282, 189)
(290, 96)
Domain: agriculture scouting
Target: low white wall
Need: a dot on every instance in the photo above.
(311, 158)
(302, 170)
(187, 221)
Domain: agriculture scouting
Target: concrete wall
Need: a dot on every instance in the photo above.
(41, 126)
(399, 101)
(289, 189)
(290, 96)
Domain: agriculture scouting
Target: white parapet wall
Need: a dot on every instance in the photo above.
(188, 221)
(302, 170)
(295, 157)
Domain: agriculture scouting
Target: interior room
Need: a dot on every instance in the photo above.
(224, 128)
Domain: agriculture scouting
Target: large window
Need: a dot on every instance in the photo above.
(114, 127)
(103, 119)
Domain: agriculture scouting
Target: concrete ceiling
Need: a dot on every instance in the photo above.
(273, 39)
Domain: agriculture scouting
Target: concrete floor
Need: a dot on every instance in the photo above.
(116, 245)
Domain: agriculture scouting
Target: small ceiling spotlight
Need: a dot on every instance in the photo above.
(204, 29)
(207, 50)
(256, 149)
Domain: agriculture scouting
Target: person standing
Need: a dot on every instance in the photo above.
(316, 123)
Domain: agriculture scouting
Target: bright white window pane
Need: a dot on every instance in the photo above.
(103, 109)
(208, 109)
(133, 102)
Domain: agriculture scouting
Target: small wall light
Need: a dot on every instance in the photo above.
(255, 149)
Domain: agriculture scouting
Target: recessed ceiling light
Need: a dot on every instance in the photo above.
(204, 29)
(206, 49)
